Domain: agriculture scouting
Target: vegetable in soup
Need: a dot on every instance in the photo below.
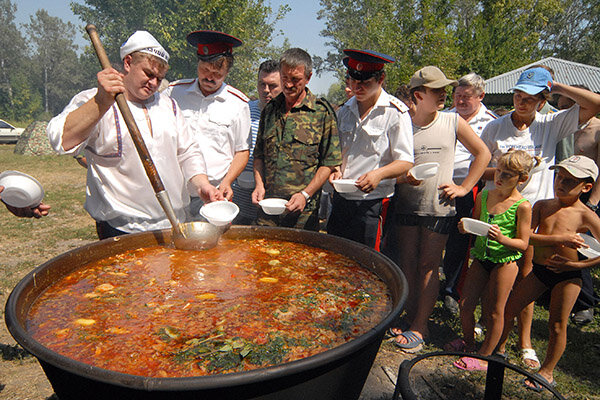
(246, 304)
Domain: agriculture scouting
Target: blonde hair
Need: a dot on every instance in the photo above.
(518, 161)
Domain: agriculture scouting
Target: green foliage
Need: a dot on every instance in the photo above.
(12, 60)
(55, 63)
(488, 37)
(252, 21)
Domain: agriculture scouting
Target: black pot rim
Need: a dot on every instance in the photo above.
(44, 354)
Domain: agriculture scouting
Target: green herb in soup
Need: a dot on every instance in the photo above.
(246, 304)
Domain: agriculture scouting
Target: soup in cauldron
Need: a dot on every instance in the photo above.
(246, 304)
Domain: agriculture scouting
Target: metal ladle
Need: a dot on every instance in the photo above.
(186, 236)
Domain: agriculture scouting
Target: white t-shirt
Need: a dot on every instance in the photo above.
(462, 156)
(539, 139)
(118, 189)
(220, 123)
(383, 136)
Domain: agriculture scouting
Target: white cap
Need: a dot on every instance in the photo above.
(144, 42)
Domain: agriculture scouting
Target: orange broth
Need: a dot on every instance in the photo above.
(246, 304)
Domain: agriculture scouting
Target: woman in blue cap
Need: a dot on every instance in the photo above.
(526, 129)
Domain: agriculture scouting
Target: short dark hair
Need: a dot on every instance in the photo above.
(296, 57)
(268, 67)
(219, 61)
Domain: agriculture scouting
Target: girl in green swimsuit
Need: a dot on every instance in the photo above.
(494, 265)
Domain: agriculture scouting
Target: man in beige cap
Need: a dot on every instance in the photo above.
(119, 195)
(424, 209)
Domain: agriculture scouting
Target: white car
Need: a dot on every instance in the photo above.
(8, 133)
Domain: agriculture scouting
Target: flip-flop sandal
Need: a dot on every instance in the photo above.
(470, 364)
(536, 386)
(529, 354)
(413, 342)
(402, 325)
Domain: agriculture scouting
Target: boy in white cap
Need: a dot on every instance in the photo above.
(119, 195)
(555, 225)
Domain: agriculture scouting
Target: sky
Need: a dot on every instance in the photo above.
(304, 35)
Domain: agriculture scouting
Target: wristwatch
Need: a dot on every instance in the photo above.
(306, 195)
(593, 207)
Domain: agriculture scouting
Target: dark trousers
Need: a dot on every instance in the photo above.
(105, 231)
(357, 220)
(457, 246)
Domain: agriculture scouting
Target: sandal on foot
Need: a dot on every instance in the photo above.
(535, 386)
(470, 364)
(529, 354)
(402, 325)
(413, 342)
(456, 345)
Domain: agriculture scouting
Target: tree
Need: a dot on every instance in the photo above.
(488, 37)
(12, 58)
(169, 21)
(57, 69)
(574, 32)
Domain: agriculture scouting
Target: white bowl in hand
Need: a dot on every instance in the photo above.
(273, 206)
(345, 185)
(219, 213)
(590, 252)
(475, 226)
(424, 171)
(20, 190)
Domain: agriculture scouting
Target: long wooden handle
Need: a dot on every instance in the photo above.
(138, 140)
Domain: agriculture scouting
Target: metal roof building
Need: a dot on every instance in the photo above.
(497, 89)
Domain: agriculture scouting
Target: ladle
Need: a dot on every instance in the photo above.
(186, 236)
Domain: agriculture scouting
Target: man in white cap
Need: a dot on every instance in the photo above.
(119, 195)
(217, 113)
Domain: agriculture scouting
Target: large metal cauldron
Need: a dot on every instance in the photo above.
(339, 373)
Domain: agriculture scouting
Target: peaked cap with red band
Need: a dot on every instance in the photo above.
(363, 64)
(212, 44)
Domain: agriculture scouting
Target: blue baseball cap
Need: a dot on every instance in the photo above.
(533, 81)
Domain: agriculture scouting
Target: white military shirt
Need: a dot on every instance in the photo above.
(220, 123)
(462, 156)
(383, 136)
(118, 189)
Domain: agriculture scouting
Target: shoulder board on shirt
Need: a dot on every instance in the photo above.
(182, 82)
(399, 104)
(323, 101)
(237, 94)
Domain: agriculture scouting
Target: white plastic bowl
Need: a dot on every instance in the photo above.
(424, 171)
(591, 252)
(273, 206)
(345, 185)
(20, 190)
(219, 213)
(475, 226)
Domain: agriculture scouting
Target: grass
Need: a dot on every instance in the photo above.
(26, 243)
(577, 373)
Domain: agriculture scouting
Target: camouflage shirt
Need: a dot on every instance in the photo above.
(294, 145)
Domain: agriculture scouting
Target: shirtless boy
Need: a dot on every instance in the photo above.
(555, 226)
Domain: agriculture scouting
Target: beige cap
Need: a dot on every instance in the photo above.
(579, 166)
(431, 77)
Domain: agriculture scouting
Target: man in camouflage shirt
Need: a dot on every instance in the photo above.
(297, 147)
